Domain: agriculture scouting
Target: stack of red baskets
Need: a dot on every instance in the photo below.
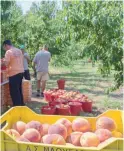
(68, 107)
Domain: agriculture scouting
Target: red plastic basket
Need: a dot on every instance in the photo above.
(63, 111)
(53, 103)
(48, 110)
(75, 108)
(3, 67)
(61, 84)
(62, 101)
(47, 96)
(87, 106)
(54, 97)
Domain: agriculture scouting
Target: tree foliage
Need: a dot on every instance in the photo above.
(81, 28)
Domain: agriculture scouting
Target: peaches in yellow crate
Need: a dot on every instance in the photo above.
(29, 129)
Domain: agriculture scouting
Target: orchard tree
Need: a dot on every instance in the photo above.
(81, 28)
(98, 25)
(11, 22)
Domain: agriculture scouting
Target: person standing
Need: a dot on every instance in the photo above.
(35, 73)
(14, 62)
(25, 62)
(41, 60)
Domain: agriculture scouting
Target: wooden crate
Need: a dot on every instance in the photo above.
(5, 93)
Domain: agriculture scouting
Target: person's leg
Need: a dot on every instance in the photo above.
(43, 86)
(38, 83)
(14, 90)
(20, 89)
(27, 75)
(45, 77)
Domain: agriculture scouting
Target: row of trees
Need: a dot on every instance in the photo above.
(80, 28)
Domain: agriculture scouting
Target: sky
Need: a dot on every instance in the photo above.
(25, 5)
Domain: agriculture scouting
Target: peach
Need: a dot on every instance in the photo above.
(58, 129)
(32, 135)
(45, 128)
(117, 134)
(74, 138)
(66, 123)
(106, 123)
(81, 125)
(19, 126)
(55, 139)
(22, 139)
(103, 134)
(89, 139)
(13, 133)
(36, 125)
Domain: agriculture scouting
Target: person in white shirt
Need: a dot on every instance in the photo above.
(41, 61)
(25, 63)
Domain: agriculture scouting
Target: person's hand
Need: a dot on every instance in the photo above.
(34, 73)
(49, 74)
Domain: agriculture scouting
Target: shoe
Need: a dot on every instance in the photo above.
(38, 94)
(42, 95)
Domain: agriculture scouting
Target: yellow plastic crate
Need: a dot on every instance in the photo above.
(25, 114)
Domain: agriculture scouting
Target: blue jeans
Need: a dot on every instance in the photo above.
(15, 86)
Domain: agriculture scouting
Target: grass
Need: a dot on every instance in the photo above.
(87, 80)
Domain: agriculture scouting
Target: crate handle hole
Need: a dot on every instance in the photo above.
(4, 124)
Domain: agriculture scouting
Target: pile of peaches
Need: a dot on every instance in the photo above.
(51, 95)
(63, 102)
(65, 132)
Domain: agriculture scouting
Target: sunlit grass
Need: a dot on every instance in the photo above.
(89, 81)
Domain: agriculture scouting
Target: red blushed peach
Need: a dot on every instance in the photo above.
(55, 139)
(58, 129)
(36, 125)
(89, 139)
(13, 133)
(32, 135)
(106, 123)
(103, 134)
(45, 128)
(66, 123)
(74, 138)
(22, 139)
(81, 125)
(19, 126)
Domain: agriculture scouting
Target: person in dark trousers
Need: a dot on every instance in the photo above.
(25, 63)
(14, 62)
